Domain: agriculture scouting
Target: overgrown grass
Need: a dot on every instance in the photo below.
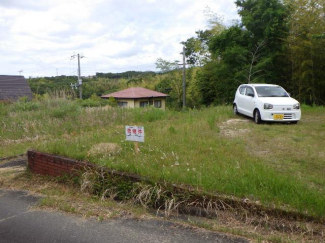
(277, 164)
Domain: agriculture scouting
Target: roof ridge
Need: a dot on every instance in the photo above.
(1, 75)
(136, 93)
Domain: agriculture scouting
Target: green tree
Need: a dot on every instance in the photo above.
(306, 50)
(265, 20)
(251, 51)
(166, 66)
(197, 48)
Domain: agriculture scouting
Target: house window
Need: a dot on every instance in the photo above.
(158, 103)
(144, 103)
(122, 104)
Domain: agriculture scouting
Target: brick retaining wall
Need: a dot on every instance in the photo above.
(53, 165)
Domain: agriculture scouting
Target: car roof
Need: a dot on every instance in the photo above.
(263, 85)
(255, 85)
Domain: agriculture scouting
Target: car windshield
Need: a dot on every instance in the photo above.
(271, 91)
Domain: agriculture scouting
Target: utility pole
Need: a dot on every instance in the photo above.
(79, 78)
(78, 85)
(184, 80)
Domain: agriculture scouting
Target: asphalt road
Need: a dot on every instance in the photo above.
(19, 223)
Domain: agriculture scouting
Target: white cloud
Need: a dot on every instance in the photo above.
(114, 35)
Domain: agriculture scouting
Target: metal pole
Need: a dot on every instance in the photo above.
(184, 81)
(79, 78)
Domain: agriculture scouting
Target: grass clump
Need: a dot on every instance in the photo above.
(149, 114)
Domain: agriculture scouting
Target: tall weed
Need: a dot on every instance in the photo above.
(148, 114)
(68, 109)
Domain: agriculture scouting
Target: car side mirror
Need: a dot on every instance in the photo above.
(250, 94)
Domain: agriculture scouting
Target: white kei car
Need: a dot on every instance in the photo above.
(266, 102)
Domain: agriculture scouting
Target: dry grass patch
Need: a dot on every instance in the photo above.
(104, 149)
(7, 142)
(259, 229)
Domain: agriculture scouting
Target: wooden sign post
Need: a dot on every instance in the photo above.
(135, 134)
(136, 147)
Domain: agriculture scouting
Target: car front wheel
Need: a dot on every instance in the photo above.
(257, 117)
(235, 109)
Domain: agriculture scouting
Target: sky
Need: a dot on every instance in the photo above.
(39, 37)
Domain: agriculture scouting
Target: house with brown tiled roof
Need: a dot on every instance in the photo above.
(138, 97)
(14, 87)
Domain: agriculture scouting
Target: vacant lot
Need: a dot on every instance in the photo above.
(275, 164)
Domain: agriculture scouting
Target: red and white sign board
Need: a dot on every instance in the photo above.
(134, 133)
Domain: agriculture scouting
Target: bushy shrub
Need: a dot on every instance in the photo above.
(112, 102)
(90, 103)
(95, 101)
(24, 104)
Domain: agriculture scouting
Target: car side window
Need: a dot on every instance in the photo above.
(249, 91)
(242, 90)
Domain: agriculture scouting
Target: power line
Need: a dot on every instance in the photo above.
(90, 67)
(119, 68)
(49, 66)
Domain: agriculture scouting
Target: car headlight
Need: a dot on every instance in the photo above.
(296, 106)
(268, 106)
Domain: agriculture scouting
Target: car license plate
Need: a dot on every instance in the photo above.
(278, 116)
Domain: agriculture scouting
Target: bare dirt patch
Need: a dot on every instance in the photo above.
(229, 128)
(236, 121)
(12, 169)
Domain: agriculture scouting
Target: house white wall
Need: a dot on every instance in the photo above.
(135, 103)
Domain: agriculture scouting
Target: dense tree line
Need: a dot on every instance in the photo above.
(125, 75)
(100, 84)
